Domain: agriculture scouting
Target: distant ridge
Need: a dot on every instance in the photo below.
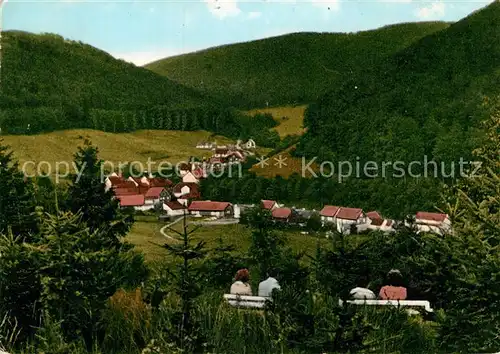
(288, 69)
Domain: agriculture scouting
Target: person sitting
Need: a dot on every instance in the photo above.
(362, 292)
(267, 286)
(240, 285)
(394, 290)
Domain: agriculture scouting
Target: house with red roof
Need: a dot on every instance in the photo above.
(268, 204)
(282, 214)
(437, 223)
(174, 208)
(378, 223)
(184, 191)
(328, 213)
(350, 219)
(155, 195)
(209, 208)
(136, 201)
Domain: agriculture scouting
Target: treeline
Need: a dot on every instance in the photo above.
(394, 198)
(221, 121)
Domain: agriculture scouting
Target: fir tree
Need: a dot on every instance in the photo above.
(16, 196)
(87, 195)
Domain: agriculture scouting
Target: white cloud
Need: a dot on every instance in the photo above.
(223, 8)
(254, 14)
(435, 10)
(142, 58)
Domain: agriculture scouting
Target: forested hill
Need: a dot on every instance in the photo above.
(50, 83)
(426, 99)
(294, 68)
(46, 70)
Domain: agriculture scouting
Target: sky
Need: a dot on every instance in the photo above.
(142, 31)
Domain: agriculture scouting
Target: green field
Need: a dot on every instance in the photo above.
(159, 145)
(290, 118)
(147, 238)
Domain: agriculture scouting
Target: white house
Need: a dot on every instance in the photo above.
(346, 218)
(378, 223)
(328, 213)
(432, 222)
(174, 208)
(154, 195)
(209, 208)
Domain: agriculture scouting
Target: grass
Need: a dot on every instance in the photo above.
(158, 145)
(290, 118)
(146, 236)
(293, 165)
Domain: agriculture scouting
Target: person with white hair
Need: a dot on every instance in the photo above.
(362, 292)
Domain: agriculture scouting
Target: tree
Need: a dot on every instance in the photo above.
(187, 280)
(16, 196)
(87, 195)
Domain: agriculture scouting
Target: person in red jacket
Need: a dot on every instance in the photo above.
(394, 290)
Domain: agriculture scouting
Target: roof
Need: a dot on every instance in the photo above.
(329, 210)
(431, 216)
(131, 200)
(267, 204)
(124, 191)
(159, 182)
(194, 190)
(374, 215)
(139, 181)
(202, 205)
(282, 213)
(175, 205)
(377, 222)
(349, 213)
(221, 150)
(154, 192)
(125, 184)
(115, 180)
(388, 223)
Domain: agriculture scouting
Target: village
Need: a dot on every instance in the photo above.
(149, 193)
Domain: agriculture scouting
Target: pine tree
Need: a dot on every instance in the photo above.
(16, 196)
(187, 281)
(87, 195)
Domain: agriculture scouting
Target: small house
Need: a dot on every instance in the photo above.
(184, 191)
(432, 222)
(209, 208)
(174, 208)
(135, 201)
(268, 204)
(328, 214)
(348, 219)
(282, 214)
(155, 195)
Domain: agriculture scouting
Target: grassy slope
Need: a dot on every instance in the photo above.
(146, 236)
(287, 69)
(291, 125)
(159, 145)
(46, 70)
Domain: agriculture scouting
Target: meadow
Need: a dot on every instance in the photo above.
(159, 145)
(147, 238)
(290, 118)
